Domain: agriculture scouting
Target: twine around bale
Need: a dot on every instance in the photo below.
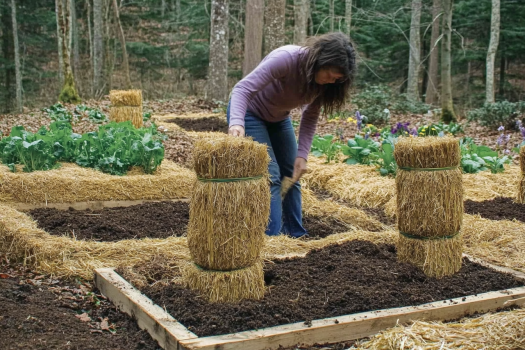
(408, 235)
(428, 169)
(231, 179)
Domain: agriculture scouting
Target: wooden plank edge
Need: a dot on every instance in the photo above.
(356, 326)
(160, 324)
(93, 205)
(517, 274)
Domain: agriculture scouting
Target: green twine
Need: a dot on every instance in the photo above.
(218, 271)
(231, 180)
(428, 169)
(407, 235)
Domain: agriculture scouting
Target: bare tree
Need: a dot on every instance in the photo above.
(348, 16)
(59, 39)
(122, 39)
(447, 105)
(493, 48)
(274, 15)
(74, 38)
(18, 72)
(218, 69)
(431, 95)
(98, 46)
(253, 35)
(415, 52)
(69, 93)
(301, 12)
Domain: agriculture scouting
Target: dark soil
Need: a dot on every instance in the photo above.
(354, 277)
(500, 208)
(202, 124)
(376, 213)
(151, 220)
(37, 312)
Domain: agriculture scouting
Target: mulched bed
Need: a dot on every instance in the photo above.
(38, 312)
(500, 208)
(376, 213)
(149, 220)
(353, 277)
(201, 124)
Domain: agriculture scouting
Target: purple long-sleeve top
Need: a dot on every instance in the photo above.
(271, 91)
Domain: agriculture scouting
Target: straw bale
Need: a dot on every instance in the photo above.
(226, 286)
(228, 219)
(72, 183)
(502, 330)
(521, 183)
(124, 113)
(125, 97)
(352, 218)
(227, 223)
(429, 204)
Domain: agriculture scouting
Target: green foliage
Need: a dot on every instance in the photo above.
(437, 129)
(372, 103)
(405, 105)
(325, 146)
(476, 158)
(58, 112)
(146, 116)
(94, 115)
(495, 164)
(113, 149)
(384, 158)
(496, 114)
(359, 150)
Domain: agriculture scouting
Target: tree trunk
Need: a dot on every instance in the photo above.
(431, 91)
(122, 39)
(301, 9)
(447, 105)
(253, 35)
(75, 39)
(502, 67)
(162, 8)
(491, 52)
(178, 11)
(415, 52)
(60, 58)
(348, 16)
(8, 57)
(69, 93)
(274, 16)
(18, 73)
(218, 69)
(331, 14)
(98, 46)
(90, 42)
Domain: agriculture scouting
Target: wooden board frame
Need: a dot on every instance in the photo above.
(174, 336)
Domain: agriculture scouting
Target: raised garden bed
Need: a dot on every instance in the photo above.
(338, 293)
(499, 208)
(214, 124)
(149, 220)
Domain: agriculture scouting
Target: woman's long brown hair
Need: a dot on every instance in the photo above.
(332, 50)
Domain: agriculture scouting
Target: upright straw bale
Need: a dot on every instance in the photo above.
(230, 204)
(521, 184)
(430, 204)
(126, 105)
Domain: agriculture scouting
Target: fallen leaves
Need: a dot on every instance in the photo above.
(84, 317)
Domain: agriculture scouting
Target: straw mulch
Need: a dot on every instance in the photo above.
(328, 209)
(521, 182)
(362, 185)
(499, 242)
(21, 239)
(72, 183)
(502, 330)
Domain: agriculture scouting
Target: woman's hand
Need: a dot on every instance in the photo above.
(236, 130)
(299, 168)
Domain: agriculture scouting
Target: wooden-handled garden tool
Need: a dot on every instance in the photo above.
(286, 183)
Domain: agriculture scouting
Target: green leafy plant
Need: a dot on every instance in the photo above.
(496, 164)
(325, 146)
(373, 102)
(58, 112)
(146, 116)
(404, 105)
(359, 150)
(499, 113)
(440, 129)
(94, 115)
(476, 158)
(384, 158)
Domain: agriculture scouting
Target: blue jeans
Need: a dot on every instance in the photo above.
(285, 215)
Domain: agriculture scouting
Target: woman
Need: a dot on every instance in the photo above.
(315, 76)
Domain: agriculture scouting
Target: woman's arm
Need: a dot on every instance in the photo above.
(307, 128)
(277, 65)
